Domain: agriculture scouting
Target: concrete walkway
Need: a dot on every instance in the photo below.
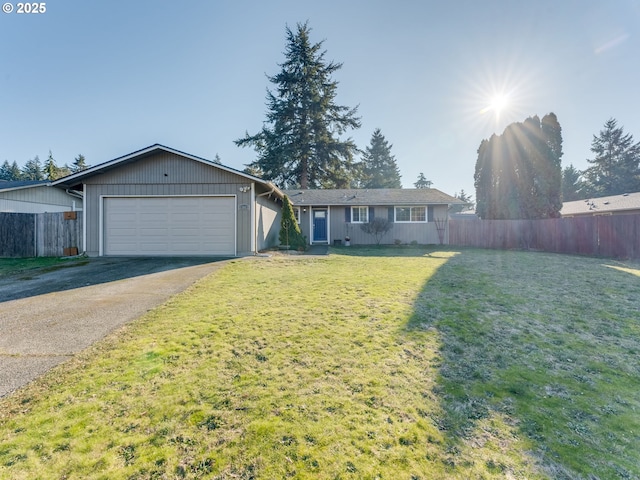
(40, 331)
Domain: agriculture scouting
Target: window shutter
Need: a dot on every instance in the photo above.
(390, 215)
(347, 214)
(430, 213)
(371, 213)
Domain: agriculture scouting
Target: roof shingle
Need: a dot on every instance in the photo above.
(371, 196)
(593, 206)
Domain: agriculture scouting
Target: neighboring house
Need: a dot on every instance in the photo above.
(331, 216)
(36, 196)
(627, 203)
(161, 201)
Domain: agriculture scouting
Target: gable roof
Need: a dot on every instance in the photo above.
(77, 178)
(594, 206)
(371, 196)
(20, 184)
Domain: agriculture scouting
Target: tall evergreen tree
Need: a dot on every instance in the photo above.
(32, 170)
(518, 174)
(379, 168)
(79, 164)
(615, 169)
(422, 182)
(51, 170)
(300, 145)
(10, 172)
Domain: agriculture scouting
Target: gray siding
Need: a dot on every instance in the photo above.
(146, 177)
(268, 223)
(38, 199)
(422, 233)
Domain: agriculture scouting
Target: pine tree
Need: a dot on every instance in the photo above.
(379, 168)
(299, 145)
(422, 182)
(51, 170)
(10, 172)
(79, 164)
(32, 170)
(615, 169)
(467, 199)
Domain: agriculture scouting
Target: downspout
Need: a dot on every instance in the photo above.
(254, 220)
(73, 193)
(84, 220)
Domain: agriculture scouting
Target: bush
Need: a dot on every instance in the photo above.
(377, 227)
(290, 233)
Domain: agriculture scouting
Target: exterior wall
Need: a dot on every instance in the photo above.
(422, 233)
(268, 215)
(166, 174)
(39, 199)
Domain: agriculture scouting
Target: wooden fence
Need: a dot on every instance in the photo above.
(40, 234)
(615, 236)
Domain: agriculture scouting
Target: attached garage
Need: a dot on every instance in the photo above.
(190, 225)
(159, 201)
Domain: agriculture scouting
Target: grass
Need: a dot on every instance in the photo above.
(26, 268)
(401, 363)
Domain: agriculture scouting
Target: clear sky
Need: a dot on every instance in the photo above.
(107, 77)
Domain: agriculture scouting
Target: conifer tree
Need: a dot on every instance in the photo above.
(379, 168)
(422, 182)
(51, 170)
(300, 144)
(518, 174)
(290, 233)
(573, 187)
(615, 169)
(10, 172)
(79, 164)
(32, 170)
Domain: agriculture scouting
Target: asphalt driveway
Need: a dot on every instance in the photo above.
(46, 319)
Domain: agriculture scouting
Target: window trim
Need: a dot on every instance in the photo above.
(296, 214)
(360, 208)
(424, 207)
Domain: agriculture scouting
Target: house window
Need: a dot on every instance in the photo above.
(359, 214)
(411, 214)
(296, 214)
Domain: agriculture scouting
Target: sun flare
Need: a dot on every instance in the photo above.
(498, 103)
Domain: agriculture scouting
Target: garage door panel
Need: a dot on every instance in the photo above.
(169, 226)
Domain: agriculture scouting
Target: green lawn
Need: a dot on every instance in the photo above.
(389, 363)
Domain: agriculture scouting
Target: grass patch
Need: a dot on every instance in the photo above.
(29, 267)
(370, 363)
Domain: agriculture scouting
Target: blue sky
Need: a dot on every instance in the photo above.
(106, 78)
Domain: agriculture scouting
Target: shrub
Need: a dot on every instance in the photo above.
(290, 233)
(377, 227)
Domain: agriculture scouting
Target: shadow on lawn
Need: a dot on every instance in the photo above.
(82, 272)
(394, 250)
(505, 354)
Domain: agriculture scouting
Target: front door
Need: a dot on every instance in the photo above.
(319, 225)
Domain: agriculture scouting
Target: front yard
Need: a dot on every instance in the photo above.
(390, 363)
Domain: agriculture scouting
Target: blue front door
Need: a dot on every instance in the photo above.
(320, 225)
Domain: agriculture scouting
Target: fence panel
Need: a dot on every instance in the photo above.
(17, 234)
(616, 236)
(40, 234)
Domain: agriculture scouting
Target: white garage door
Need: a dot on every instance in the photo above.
(169, 226)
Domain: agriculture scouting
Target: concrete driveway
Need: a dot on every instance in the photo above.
(47, 319)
